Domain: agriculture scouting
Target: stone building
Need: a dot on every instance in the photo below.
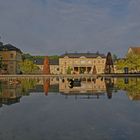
(40, 63)
(82, 63)
(11, 58)
(54, 66)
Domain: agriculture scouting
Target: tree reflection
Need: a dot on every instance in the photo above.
(131, 86)
(27, 85)
(109, 82)
(46, 85)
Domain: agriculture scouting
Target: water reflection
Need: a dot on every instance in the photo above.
(131, 86)
(46, 85)
(11, 91)
(109, 87)
(90, 87)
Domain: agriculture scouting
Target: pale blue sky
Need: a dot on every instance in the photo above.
(49, 27)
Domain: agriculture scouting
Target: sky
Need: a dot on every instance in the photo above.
(52, 27)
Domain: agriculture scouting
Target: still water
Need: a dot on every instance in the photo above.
(65, 109)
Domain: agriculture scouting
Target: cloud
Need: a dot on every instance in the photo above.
(49, 27)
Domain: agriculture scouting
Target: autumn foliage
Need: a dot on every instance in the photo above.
(46, 67)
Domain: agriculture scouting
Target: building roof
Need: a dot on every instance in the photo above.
(87, 55)
(40, 61)
(9, 47)
(54, 61)
(135, 50)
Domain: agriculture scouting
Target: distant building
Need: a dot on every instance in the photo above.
(82, 63)
(40, 63)
(54, 66)
(134, 50)
(11, 58)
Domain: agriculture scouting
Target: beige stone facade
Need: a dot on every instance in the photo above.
(54, 69)
(11, 58)
(82, 63)
(54, 66)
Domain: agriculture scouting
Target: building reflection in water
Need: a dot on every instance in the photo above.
(11, 91)
(90, 87)
(86, 88)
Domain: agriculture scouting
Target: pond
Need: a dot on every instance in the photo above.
(70, 109)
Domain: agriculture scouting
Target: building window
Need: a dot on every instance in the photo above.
(11, 55)
(98, 61)
(102, 61)
(57, 69)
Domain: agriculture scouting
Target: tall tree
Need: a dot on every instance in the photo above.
(28, 67)
(109, 67)
(46, 67)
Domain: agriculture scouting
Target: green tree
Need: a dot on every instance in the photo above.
(28, 67)
(69, 69)
(133, 62)
(27, 56)
(31, 57)
(120, 64)
(26, 85)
